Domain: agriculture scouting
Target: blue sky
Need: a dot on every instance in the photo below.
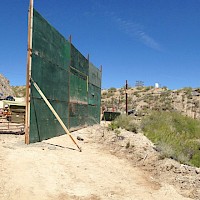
(146, 40)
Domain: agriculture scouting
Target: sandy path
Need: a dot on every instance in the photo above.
(44, 171)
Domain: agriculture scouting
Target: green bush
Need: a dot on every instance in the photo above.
(117, 132)
(164, 88)
(112, 126)
(110, 94)
(125, 122)
(137, 94)
(175, 135)
(147, 88)
(112, 89)
(139, 88)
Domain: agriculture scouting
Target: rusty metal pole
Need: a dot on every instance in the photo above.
(126, 98)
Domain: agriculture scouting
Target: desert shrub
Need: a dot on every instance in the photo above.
(129, 99)
(125, 122)
(175, 135)
(197, 90)
(112, 126)
(147, 88)
(112, 89)
(117, 132)
(164, 87)
(137, 94)
(187, 90)
(139, 88)
(110, 94)
(124, 87)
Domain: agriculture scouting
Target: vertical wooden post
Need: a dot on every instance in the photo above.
(119, 103)
(28, 71)
(126, 98)
(88, 58)
(70, 39)
(69, 72)
(101, 68)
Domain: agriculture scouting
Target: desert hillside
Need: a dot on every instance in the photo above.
(140, 99)
(144, 99)
(5, 88)
(19, 91)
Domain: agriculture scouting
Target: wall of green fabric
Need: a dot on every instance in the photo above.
(70, 83)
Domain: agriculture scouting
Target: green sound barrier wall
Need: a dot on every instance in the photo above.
(68, 80)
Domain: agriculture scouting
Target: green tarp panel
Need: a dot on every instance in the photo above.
(93, 115)
(78, 86)
(78, 61)
(78, 115)
(50, 65)
(94, 95)
(94, 75)
(43, 123)
(94, 103)
(69, 82)
(78, 109)
(48, 43)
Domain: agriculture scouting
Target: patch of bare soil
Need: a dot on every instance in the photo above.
(124, 167)
(141, 152)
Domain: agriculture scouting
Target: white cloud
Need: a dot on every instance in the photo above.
(136, 31)
(130, 28)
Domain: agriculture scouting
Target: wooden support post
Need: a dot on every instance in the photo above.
(126, 98)
(101, 68)
(54, 112)
(70, 39)
(28, 71)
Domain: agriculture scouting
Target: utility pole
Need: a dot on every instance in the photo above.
(126, 98)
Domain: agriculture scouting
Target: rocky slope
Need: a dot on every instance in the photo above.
(5, 88)
(19, 91)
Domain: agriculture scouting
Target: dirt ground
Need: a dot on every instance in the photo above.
(109, 167)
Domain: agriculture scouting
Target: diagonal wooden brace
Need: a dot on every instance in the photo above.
(54, 112)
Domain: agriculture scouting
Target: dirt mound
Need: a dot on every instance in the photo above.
(142, 153)
(109, 167)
